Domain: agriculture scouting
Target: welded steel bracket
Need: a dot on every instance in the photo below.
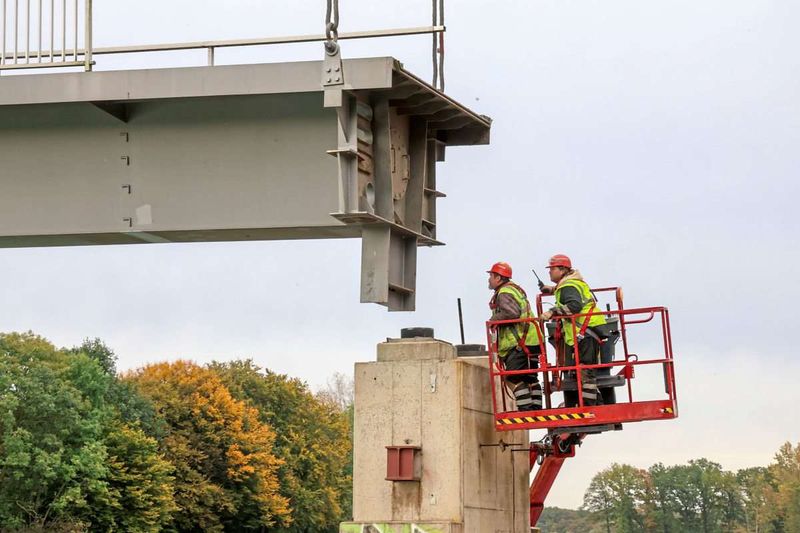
(346, 151)
(389, 248)
(388, 251)
(333, 76)
(388, 267)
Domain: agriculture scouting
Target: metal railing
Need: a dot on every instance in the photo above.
(551, 374)
(45, 34)
(211, 46)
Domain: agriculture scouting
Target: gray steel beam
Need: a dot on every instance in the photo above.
(231, 153)
(227, 80)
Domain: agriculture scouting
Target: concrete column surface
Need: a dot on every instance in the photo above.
(419, 393)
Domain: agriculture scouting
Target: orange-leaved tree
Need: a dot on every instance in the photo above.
(313, 440)
(225, 469)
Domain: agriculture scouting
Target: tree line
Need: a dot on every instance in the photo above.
(696, 497)
(167, 447)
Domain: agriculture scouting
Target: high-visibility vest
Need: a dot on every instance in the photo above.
(508, 335)
(589, 306)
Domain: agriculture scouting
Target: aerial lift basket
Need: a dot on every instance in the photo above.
(612, 372)
(567, 426)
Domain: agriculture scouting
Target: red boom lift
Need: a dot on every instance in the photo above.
(568, 426)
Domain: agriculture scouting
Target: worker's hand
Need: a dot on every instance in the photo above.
(547, 289)
(547, 315)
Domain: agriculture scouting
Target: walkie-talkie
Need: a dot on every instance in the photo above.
(541, 283)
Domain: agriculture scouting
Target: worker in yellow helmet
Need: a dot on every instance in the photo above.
(573, 297)
(517, 344)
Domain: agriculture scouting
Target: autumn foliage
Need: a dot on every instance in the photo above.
(168, 447)
(225, 472)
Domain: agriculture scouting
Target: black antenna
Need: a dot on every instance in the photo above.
(461, 321)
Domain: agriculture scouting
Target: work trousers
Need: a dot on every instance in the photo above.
(526, 387)
(589, 354)
(517, 359)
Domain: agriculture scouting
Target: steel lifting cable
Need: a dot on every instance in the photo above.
(434, 54)
(332, 26)
(441, 46)
(437, 52)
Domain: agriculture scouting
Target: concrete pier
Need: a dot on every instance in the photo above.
(423, 419)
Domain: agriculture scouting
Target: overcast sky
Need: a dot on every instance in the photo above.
(656, 143)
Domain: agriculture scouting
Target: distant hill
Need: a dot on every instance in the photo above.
(558, 520)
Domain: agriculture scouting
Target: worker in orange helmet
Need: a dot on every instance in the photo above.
(517, 344)
(573, 297)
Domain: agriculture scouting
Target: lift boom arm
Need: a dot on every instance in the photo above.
(549, 454)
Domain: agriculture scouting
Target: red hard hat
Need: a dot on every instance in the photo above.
(560, 260)
(501, 269)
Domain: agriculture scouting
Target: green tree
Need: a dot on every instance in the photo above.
(600, 499)
(732, 503)
(97, 350)
(619, 493)
(340, 393)
(685, 496)
(757, 491)
(701, 496)
(225, 470)
(141, 483)
(701, 491)
(52, 456)
(661, 505)
(313, 440)
(557, 520)
(67, 462)
(708, 480)
(132, 408)
(786, 475)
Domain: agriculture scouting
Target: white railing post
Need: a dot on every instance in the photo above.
(52, 28)
(87, 45)
(75, 33)
(64, 31)
(3, 57)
